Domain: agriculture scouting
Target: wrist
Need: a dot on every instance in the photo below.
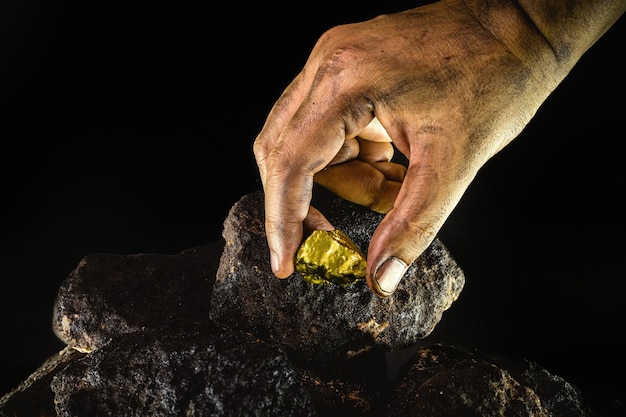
(547, 36)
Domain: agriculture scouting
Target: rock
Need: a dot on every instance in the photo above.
(444, 380)
(33, 397)
(359, 388)
(341, 398)
(217, 372)
(222, 372)
(557, 395)
(325, 324)
(107, 295)
(211, 332)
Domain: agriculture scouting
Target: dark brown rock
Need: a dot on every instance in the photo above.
(108, 295)
(217, 373)
(325, 324)
(33, 397)
(334, 397)
(356, 388)
(557, 395)
(157, 338)
(447, 381)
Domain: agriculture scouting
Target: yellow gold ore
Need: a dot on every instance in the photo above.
(330, 257)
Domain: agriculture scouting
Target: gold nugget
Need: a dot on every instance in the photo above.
(330, 257)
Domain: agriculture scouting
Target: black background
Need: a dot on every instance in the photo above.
(128, 128)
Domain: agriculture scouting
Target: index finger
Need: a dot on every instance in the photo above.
(309, 141)
(278, 117)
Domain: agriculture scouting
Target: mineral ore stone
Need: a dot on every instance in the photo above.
(210, 373)
(323, 325)
(330, 257)
(108, 294)
(33, 397)
(443, 380)
(341, 397)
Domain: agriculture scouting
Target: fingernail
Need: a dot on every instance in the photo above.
(275, 262)
(388, 276)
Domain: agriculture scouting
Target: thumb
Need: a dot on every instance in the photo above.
(423, 204)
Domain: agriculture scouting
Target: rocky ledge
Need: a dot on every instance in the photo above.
(211, 332)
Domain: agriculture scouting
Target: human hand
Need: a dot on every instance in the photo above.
(449, 85)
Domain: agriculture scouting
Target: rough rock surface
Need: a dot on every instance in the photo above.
(219, 372)
(142, 340)
(107, 295)
(444, 380)
(323, 324)
(160, 373)
(33, 397)
(336, 397)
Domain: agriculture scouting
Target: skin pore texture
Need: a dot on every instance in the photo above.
(448, 85)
